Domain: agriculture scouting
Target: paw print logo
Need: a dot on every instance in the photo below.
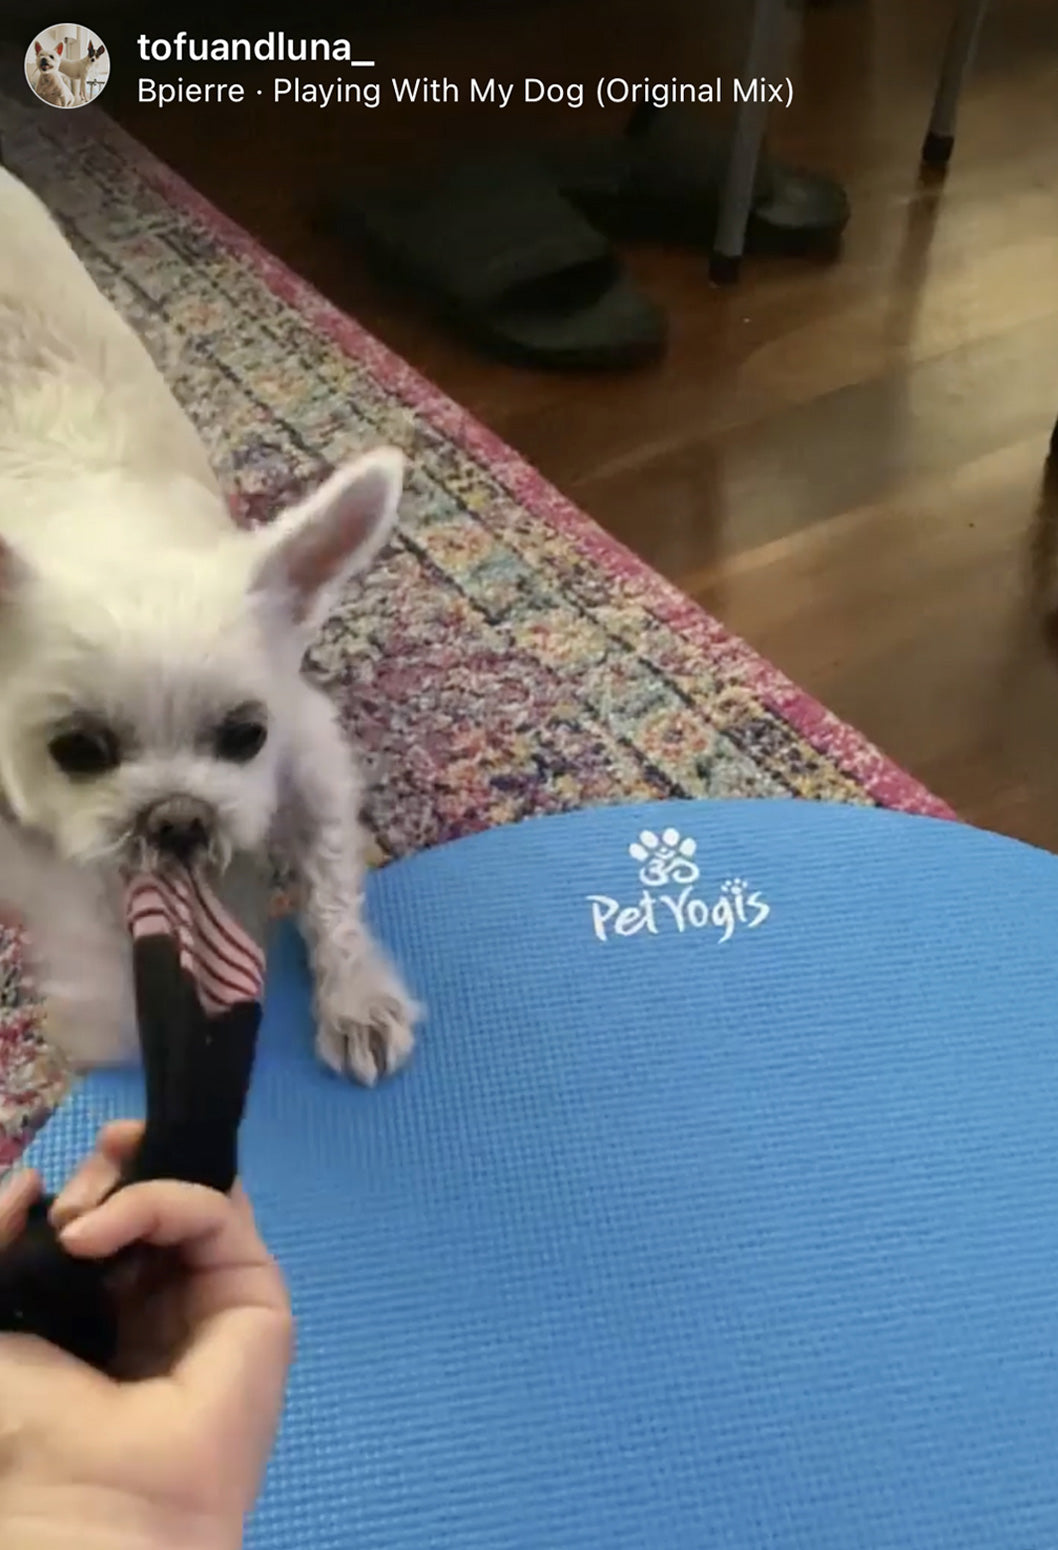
(736, 889)
(665, 859)
(748, 905)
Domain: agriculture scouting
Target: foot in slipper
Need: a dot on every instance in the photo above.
(495, 249)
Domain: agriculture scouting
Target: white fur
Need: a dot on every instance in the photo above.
(47, 77)
(76, 70)
(127, 595)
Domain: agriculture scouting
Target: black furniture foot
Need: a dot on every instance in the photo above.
(724, 268)
(937, 149)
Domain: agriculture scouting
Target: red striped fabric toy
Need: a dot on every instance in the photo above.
(198, 959)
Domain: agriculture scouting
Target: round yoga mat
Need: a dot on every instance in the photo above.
(718, 1208)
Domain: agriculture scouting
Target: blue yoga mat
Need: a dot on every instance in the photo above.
(718, 1208)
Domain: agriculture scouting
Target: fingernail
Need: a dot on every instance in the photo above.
(66, 1206)
(73, 1232)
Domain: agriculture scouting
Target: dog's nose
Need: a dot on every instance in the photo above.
(179, 827)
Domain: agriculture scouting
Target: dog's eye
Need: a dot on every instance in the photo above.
(85, 751)
(240, 737)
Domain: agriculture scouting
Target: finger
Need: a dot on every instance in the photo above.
(120, 1138)
(16, 1197)
(212, 1231)
(115, 1145)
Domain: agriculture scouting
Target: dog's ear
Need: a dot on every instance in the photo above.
(36, 45)
(310, 551)
(58, 48)
(100, 51)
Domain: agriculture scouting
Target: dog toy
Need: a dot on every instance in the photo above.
(198, 965)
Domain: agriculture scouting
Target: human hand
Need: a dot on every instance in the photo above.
(172, 1452)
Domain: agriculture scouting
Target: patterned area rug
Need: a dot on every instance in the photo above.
(506, 658)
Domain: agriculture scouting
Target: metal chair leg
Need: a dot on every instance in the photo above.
(962, 45)
(766, 29)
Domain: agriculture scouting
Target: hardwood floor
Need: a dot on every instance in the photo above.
(844, 463)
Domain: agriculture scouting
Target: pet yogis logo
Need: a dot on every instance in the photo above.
(671, 900)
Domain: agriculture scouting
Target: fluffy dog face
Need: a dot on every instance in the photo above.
(48, 60)
(145, 700)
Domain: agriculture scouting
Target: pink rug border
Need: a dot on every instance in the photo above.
(876, 774)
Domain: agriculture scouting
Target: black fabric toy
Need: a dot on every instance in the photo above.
(198, 962)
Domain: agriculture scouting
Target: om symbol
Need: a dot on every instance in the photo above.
(664, 860)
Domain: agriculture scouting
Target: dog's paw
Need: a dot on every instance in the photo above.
(366, 1025)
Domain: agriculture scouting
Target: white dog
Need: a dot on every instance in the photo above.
(76, 70)
(151, 696)
(48, 81)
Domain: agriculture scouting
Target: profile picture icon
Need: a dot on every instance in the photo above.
(67, 65)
